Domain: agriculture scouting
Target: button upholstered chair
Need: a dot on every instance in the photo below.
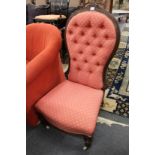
(92, 36)
(43, 65)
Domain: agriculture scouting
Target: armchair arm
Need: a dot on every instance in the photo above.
(41, 61)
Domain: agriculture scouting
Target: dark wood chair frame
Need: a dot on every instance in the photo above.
(88, 140)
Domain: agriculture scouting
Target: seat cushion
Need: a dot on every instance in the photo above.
(72, 107)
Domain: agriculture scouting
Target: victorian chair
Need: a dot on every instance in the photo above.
(92, 36)
(43, 65)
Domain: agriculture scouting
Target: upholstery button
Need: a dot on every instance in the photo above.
(94, 35)
(87, 43)
(75, 41)
(80, 52)
(70, 32)
(85, 61)
(74, 59)
(101, 26)
(93, 53)
(90, 71)
(97, 63)
(76, 25)
(78, 68)
(82, 33)
(106, 36)
(88, 25)
(100, 45)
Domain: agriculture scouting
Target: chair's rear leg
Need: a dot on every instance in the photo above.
(87, 141)
(46, 124)
(43, 121)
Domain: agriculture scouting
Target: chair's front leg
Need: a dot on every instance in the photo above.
(87, 141)
(47, 127)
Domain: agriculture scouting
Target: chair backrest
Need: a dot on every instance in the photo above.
(91, 38)
(39, 37)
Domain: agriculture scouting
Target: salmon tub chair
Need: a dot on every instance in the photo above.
(43, 66)
(92, 36)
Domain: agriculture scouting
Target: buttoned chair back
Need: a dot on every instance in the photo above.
(92, 37)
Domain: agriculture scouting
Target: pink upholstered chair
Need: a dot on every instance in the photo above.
(73, 106)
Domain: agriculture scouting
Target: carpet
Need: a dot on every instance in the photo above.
(109, 139)
(116, 99)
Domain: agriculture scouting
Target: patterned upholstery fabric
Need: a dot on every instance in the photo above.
(91, 37)
(72, 107)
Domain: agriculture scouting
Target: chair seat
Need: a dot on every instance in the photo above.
(72, 107)
(50, 17)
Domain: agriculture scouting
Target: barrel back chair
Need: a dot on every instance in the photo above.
(92, 36)
(43, 65)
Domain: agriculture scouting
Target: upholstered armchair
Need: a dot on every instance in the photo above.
(92, 36)
(43, 65)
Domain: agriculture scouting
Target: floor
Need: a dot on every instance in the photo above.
(109, 139)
